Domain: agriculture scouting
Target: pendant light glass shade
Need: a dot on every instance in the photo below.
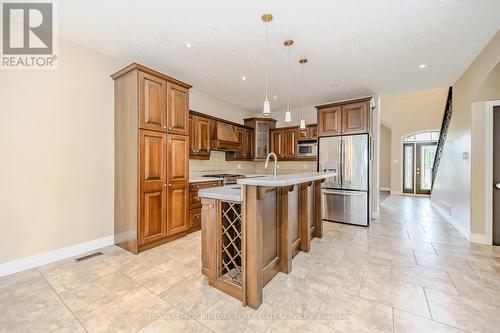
(288, 117)
(266, 110)
(302, 123)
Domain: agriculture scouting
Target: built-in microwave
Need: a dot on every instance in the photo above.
(308, 149)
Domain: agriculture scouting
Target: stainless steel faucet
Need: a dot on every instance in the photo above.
(275, 162)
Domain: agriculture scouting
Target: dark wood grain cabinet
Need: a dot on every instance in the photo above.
(200, 137)
(195, 202)
(284, 142)
(355, 118)
(344, 118)
(261, 128)
(329, 121)
(151, 158)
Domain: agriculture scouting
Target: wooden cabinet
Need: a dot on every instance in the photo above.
(199, 137)
(247, 144)
(152, 102)
(347, 117)
(177, 109)
(261, 136)
(355, 118)
(178, 183)
(151, 163)
(329, 121)
(284, 142)
(195, 203)
(310, 133)
(152, 226)
(313, 132)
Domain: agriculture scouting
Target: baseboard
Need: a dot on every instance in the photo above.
(23, 264)
(387, 189)
(452, 221)
(478, 238)
(395, 192)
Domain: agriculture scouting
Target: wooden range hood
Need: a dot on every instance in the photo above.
(224, 137)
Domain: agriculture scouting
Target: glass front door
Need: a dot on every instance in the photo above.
(418, 159)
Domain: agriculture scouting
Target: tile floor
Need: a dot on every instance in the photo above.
(409, 272)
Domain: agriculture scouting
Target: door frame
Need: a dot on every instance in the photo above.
(488, 179)
(402, 170)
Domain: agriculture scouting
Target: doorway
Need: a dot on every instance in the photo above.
(419, 151)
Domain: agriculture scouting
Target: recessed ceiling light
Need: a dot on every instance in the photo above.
(422, 66)
(275, 97)
(243, 78)
(188, 45)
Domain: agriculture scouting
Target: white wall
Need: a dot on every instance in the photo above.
(201, 102)
(453, 183)
(56, 144)
(385, 157)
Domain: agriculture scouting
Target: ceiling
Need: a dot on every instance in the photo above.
(355, 48)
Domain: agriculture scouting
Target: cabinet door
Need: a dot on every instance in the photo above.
(152, 220)
(178, 184)
(202, 136)
(313, 132)
(247, 149)
(277, 143)
(152, 102)
(177, 109)
(177, 207)
(329, 121)
(355, 118)
(178, 158)
(290, 144)
(303, 134)
(238, 154)
(262, 141)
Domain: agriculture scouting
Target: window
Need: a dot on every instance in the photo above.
(426, 136)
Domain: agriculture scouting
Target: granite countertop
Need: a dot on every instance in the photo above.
(285, 180)
(225, 193)
(200, 179)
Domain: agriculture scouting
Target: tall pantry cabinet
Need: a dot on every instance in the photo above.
(151, 158)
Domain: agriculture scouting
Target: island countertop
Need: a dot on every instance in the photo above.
(225, 193)
(285, 180)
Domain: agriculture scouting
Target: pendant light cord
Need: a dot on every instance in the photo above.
(267, 59)
(288, 81)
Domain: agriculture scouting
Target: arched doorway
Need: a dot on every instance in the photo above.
(419, 151)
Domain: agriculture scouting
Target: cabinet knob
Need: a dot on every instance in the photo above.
(197, 186)
(165, 126)
(170, 128)
(169, 185)
(164, 185)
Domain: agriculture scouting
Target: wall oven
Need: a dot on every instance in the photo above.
(308, 149)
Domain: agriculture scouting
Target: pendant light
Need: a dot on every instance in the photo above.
(266, 109)
(302, 121)
(288, 115)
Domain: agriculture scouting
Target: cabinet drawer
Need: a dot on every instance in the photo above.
(195, 219)
(198, 186)
(194, 200)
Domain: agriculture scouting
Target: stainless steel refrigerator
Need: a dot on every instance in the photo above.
(345, 195)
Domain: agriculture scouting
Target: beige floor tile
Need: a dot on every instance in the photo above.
(450, 264)
(161, 277)
(175, 321)
(348, 313)
(138, 264)
(407, 323)
(193, 296)
(229, 315)
(97, 293)
(463, 313)
(303, 326)
(413, 245)
(394, 255)
(21, 284)
(486, 291)
(113, 255)
(461, 252)
(424, 277)
(69, 274)
(369, 265)
(400, 295)
(126, 314)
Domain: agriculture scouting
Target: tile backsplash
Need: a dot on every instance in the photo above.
(218, 164)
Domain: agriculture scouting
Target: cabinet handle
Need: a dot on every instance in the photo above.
(169, 185)
(170, 128)
(164, 185)
(197, 186)
(165, 126)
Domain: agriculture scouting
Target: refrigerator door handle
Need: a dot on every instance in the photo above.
(334, 173)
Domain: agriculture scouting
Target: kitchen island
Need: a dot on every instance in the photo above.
(252, 230)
